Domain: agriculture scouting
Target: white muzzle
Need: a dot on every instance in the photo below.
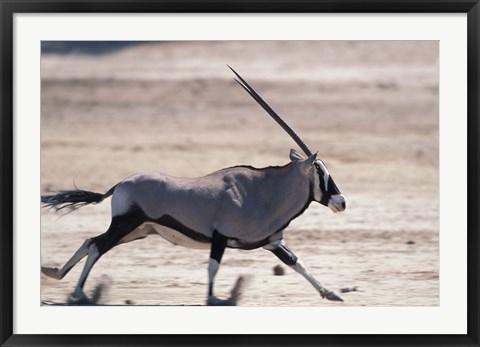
(337, 203)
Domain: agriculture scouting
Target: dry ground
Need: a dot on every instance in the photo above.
(369, 108)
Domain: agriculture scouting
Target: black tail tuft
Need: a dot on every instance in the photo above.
(72, 199)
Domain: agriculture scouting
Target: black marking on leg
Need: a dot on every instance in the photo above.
(219, 243)
(285, 254)
(120, 227)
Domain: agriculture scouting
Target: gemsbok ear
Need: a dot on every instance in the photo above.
(295, 156)
(307, 164)
(311, 159)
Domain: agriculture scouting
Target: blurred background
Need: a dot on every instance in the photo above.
(370, 108)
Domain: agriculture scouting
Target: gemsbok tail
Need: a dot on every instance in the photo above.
(73, 199)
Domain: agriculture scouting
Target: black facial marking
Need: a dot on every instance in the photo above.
(324, 200)
(332, 187)
(329, 190)
(320, 176)
(325, 197)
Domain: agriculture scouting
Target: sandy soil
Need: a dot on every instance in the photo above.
(369, 108)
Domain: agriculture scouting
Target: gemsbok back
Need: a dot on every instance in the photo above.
(238, 207)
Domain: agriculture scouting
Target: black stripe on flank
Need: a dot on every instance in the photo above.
(170, 222)
(249, 246)
(124, 224)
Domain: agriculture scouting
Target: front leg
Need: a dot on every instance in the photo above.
(280, 249)
(219, 243)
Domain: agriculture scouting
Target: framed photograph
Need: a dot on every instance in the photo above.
(311, 169)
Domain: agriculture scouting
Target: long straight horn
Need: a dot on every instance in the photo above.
(272, 113)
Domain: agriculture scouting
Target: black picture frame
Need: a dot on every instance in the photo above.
(10, 7)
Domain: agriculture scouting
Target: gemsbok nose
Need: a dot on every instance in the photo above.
(337, 203)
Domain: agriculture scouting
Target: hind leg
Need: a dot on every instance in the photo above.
(93, 256)
(219, 243)
(88, 248)
(120, 227)
(57, 273)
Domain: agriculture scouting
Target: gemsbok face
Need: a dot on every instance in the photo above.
(325, 191)
(328, 192)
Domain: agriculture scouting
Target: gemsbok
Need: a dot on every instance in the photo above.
(237, 207)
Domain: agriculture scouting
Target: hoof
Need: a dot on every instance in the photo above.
(79, 298)
(214, 301)
(235, 294)
(96, 297)
(51, 272)
(332, 296)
